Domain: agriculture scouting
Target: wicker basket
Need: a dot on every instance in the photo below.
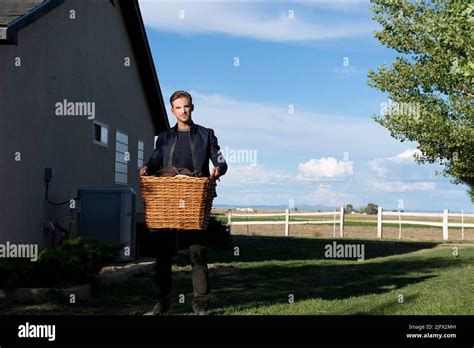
(180, 202)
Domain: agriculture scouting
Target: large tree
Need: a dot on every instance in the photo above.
(430, 81)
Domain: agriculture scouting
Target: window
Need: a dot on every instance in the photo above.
(141, 147)
(121, 158)
(100, 134)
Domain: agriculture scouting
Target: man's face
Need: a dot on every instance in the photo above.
(182, 109)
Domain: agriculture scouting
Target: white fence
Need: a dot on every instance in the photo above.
(445, 224)
(338, 219)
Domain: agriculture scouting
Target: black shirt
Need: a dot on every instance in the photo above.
(182, 152)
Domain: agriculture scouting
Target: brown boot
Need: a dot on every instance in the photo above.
(161, 307)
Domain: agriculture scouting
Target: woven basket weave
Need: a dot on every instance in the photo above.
(182, 202)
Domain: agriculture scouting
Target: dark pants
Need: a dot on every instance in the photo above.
(170, 240)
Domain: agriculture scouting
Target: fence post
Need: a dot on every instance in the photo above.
(399, 224)
(229, 220)
(341, 222)
(462, 224)
(379, 222)
(287, 222)
(445, 224)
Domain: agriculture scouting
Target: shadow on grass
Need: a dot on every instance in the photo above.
(255, 249)
(270, 285)
(307, 274)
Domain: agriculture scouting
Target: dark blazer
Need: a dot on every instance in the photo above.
(204, 146)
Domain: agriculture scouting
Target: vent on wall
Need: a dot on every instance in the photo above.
(108, 214)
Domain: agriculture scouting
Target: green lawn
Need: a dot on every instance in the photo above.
(271, 269)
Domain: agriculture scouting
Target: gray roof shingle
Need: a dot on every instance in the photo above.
(12, 9)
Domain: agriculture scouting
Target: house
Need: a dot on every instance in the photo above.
(248, 210)
(78, 91)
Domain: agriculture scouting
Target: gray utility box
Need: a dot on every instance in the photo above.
(108, 214)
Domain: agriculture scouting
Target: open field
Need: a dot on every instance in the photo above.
(326, 231)
(355, 226)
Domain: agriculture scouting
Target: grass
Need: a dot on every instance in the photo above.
(269, 270)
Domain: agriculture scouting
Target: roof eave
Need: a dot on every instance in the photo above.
(8, 37)
(9, 34)
(138, 38)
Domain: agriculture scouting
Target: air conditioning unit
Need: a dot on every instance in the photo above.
(108, 214)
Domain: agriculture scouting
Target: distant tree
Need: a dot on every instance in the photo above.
(371, 209)
(349, 208)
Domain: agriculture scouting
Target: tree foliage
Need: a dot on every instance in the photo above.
(433, 75)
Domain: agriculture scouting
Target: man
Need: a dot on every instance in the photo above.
(186, 145)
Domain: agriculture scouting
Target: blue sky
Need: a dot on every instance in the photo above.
(294, 115)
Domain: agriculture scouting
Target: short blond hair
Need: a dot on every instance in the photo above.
(180, 94)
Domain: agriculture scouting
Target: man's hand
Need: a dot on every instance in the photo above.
(144, 171)
(215, 172)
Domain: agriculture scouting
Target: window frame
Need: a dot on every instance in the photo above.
(102, 125)
(138, 153)
(117, 141)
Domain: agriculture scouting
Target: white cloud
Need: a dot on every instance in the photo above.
(401, 173)
(406, 156)
(251, 20)
(402, 166)
(247, 198)
(399, 186)
(378, 168)
(381, 165)
(323, 195)
(324, 168)
(242, 175)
